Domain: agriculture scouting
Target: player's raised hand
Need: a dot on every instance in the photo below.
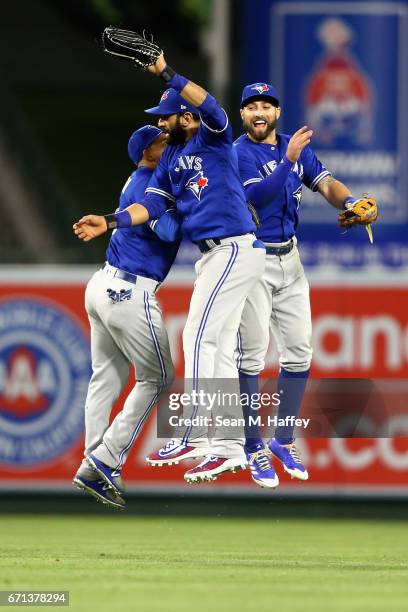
(158, 67)
(298, 142)
(89, 227)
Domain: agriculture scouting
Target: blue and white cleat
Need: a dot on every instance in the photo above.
(289, 456)
(261, 467)
(100, 490)
(111, 476)
(175, 451)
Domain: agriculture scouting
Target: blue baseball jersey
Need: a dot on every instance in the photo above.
(201, 178)
(138, 249)
(280, 217)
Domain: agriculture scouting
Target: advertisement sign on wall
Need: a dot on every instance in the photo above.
(340, 68)
(45, 367)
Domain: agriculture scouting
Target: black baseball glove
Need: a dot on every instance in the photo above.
(138, 48)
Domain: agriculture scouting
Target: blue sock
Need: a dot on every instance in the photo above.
(248, 384)
(291, 386)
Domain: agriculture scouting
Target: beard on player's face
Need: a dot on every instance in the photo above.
(177, 135)
(259, 127)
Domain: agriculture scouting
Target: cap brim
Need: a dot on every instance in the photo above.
(153, 138)
(260, 97)
(155, 110)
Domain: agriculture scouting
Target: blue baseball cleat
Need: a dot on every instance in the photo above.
(111, 476)
(289, 456)
(261, 467)
(100, 490)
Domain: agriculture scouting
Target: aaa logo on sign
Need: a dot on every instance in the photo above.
(44, 373)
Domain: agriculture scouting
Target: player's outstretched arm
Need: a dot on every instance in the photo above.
(193, 93)
(92, 226)
(335, 192)
(168, 226)
(361, 211)
(147, 55)
(89, 227)
(212, 115)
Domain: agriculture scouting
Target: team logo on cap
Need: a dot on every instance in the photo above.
(197, 183)
(165, 96)
(44, 373)
(261, 88)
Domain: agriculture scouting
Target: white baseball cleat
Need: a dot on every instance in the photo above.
(212, 467)
(175, 451)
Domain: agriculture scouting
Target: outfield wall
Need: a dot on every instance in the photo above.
(360, 330)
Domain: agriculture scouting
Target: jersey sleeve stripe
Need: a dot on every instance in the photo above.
(216, 131)
(252, 180)
(318, 178)
(161, 193)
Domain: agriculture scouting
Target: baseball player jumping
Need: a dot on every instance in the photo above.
(126, 329)
(273, 168)
(198, 172)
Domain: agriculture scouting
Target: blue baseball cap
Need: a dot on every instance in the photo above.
(255, 91)
(171, 103)
(140, 140)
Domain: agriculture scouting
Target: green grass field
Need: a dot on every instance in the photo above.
(122, 563)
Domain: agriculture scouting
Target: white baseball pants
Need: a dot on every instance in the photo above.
(225, 277)
(280, 301)
(125, 333)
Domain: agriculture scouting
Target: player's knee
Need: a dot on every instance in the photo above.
(253, 367)
(165, 378)
(297, 361)
(251, 355)
(169, 377)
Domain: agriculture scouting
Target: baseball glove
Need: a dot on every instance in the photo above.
(363, 212)
(138, 48)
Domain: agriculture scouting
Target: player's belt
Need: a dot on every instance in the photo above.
(210, 243)
(280, 250)
(148, 283)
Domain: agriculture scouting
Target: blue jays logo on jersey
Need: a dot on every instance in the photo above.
(261, 88)
(44, 372)
(197, 183)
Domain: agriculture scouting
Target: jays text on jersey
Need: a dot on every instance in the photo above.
(138, 249)
(279, 215)
(202, 179)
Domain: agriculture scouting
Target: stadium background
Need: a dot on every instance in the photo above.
(66, 114)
